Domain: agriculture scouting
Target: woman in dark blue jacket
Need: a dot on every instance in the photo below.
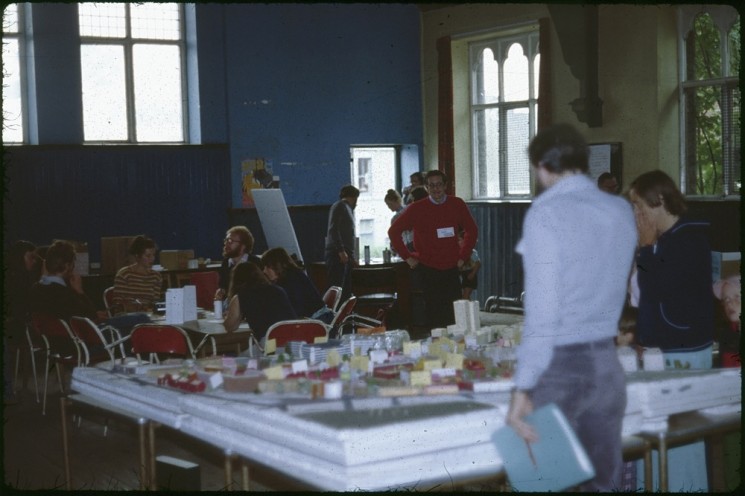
(280, 269)
(676, 300)
(673, 267)
(253, 298)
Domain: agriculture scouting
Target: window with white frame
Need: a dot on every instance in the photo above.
(133, 74)
(710, 100)
(504, 104)
(13, 102)
(373, 172)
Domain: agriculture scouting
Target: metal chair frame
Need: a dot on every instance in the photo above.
(91, 335)
(340, 318)
(47, 327)
(108, 300)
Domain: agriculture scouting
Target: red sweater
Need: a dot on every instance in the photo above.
(436, 232)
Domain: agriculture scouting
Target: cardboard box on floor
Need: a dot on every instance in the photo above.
(115, 253)
(175, 259)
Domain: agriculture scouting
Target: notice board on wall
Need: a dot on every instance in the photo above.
(606, 157)
(275, 220)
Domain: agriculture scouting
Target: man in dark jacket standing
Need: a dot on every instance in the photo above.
(340, 253)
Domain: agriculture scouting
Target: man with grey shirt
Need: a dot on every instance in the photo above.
(340, 254)
(578, 246)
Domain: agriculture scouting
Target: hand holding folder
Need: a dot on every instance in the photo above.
(556, 461)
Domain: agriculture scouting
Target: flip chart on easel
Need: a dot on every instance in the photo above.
(275, 220)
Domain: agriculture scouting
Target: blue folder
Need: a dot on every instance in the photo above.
(555, 462)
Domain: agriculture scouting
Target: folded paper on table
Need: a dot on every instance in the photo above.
(555, 462)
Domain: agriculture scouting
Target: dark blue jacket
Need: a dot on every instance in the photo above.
(303, 294)
(676, 300)
(264, 305)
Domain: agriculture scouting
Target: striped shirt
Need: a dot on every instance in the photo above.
(130, 286)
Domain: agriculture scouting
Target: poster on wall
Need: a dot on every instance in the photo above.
(256, 173)
(606, 157)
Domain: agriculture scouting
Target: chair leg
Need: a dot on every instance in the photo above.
(60, 375)
(15, 375)
(46, 384)
(33, 370)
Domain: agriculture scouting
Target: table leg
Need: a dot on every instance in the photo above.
(65, 449)
(648, 469)
(244, 475)
(662, 458)
(153, 481)
(142, 427)
(228, 470)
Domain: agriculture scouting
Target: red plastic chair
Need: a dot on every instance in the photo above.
(332, 296)
(345, 310)
(296, 330)
(158, 340)
(62, 348)
(206, 284)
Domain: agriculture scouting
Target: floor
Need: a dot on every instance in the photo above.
(32, 450)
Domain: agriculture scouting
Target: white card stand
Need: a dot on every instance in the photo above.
(467, 314)
(653, 359)
(181, 304)
(627, 357)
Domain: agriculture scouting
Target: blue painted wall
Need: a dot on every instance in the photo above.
(295, 84)
(304, 82)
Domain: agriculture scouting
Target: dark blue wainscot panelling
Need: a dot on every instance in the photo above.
(178, 195)
(500, 228)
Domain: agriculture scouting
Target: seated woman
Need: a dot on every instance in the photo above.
(252, 297)
(138, 287)
(280, 269)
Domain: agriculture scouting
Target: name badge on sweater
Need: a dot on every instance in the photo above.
(445, 232)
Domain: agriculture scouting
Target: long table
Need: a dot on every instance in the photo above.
(201, 330)
(375, 443)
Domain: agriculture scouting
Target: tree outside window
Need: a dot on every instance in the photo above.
(711, 103)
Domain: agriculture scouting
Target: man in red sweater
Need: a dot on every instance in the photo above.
(436, 221)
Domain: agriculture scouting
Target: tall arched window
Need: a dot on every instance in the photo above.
(710, 100)
(504, 105)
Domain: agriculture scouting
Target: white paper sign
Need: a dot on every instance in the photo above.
(181, 304)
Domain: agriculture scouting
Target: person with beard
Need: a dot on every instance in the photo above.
(237, 247)
(339, 251)
(437, 255)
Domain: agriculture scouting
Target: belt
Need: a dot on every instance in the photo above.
(592, 345)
